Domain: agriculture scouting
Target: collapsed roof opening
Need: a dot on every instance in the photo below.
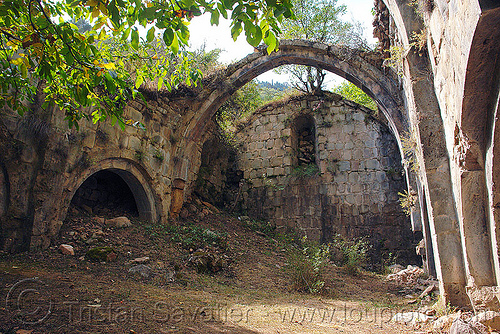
(105, 194)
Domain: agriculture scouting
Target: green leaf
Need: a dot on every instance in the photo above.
(168, 36)
(222, 10)
(183, 35)
(125, 34)
(138, 81)
(175, 45)
(271, 42)
(135, 39)
(24, 70)
(115, 13)
(214, 19)
(253, 33)
(151, 34)
(236, 30)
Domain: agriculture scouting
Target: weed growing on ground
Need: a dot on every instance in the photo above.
(305, 266)
(442, 308)
(262, 226)
(189, 236)
(354, 253)
(387, 260)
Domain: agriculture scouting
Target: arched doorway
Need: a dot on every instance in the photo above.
(114, 180)
(105, 193)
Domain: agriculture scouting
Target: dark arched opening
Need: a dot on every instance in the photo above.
(105, 194)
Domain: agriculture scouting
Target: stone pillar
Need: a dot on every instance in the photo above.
(435, 172)
(177, 197)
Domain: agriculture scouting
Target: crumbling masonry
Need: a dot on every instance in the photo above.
(444, 98)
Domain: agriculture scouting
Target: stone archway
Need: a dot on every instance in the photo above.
(348, 63)
(362, 69)
(479, 144)
(133, 175)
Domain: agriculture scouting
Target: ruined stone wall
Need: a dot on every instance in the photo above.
(44, 163)
(350, 189)
(451, 87)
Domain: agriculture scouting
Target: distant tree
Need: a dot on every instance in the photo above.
(269, 92)
(320, 21)
(353, 93)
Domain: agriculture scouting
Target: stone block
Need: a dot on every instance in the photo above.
(356, 188)
(372, 164)
(348, 128)
(89, 140)
(344, 166)
(360, 128)
(134, 114)
(134, 143)
(370, 143)
(28, 154)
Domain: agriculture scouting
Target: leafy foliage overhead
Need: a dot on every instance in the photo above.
(102, 65)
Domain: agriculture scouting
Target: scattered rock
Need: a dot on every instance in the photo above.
(411, 317)
(211, 207)
(410, 275)
(184, 213)
(427, 291)
(141, 269)
(484, 298)
(170, 276)
(67, 249)
(119, 222)
(86, 208)
(99, 220)
(489, 319)
(207, 261)
(24, 331)
(143, 259)
(395, 268)
(444, 322)
(461, 327)
(101, 254)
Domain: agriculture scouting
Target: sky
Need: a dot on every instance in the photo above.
(220, 37)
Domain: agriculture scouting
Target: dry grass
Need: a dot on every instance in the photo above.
(252, 296)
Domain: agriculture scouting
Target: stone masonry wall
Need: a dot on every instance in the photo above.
(352, 187)
(43, 163)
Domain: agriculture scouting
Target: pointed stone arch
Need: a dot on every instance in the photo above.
(480, 131)
(348, 63)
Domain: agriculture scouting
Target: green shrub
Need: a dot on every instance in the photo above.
(262, 226)
(305, 265)
(190, 236)
(304, 171)
(354, 253)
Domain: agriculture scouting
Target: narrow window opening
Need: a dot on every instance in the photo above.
(305, 140)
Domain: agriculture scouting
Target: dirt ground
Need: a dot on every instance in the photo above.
(48, 292)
